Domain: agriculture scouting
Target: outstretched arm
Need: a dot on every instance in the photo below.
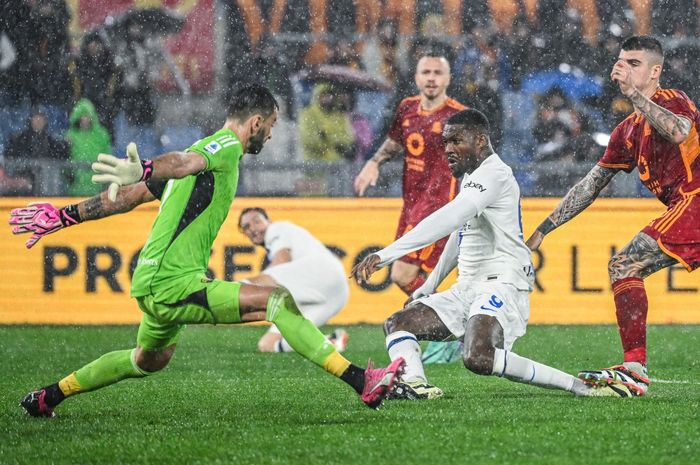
(42, 219)
(119, 172)
(574, 202)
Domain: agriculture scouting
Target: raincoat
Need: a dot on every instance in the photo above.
(85, 144)
(325, 135)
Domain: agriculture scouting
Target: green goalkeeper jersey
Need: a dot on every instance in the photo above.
(174, 260)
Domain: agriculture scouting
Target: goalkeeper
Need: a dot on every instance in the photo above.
(196, 189)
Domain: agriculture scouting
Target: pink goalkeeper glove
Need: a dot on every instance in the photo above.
(42, 219)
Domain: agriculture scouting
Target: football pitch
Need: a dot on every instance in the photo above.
(221, 402)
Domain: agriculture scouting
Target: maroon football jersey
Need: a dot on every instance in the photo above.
(668, 170)
(427, 180)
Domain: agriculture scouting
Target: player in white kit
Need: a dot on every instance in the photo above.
(488, 307)
(305, 267)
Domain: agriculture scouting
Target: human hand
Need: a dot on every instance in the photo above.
(535, 240)
(40, 219)
(363, 270)
(118, 172)
(367, 177)
(622, 74)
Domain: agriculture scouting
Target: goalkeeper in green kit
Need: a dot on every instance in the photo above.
(196, 189)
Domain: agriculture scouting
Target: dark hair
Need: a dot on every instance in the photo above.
(252, 209)
(472, 119)
(646, 43)
(250, 99)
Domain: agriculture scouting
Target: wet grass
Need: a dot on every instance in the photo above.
(221, 402)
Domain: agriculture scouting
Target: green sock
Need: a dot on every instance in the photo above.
(108, 369)
(301, 334)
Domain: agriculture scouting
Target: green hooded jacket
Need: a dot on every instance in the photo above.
(85, 144)
(325, 135)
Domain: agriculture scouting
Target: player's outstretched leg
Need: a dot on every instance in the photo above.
(403, 329)
(108, 369)
(372, 384)
(483, 355)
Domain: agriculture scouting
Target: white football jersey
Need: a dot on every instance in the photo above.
(491, 244)
(285, 235)
(485, 224)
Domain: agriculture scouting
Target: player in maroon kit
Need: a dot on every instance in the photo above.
(660, 139)
(428, 184)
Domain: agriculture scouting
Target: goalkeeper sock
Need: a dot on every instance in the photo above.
(523, 370)
(108, 369)
(303, 336)
(404, 344)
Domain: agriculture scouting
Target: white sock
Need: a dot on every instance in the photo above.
(283, 346)
(404, 344)
(523, 370)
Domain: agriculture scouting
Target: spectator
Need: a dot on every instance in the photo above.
(477, 86)
(36, 143)
(87, 138)
(49, 61)
(324, 128)
(98, 78)
(137, 96)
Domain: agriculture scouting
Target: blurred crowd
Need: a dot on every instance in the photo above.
(538, 69)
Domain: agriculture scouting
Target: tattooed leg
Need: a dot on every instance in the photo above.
(627, 269)
(639, 259)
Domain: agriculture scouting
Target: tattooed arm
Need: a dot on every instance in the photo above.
(672, 127)
(128, 198)
(370, 172)
(41, 219)
(574, 202)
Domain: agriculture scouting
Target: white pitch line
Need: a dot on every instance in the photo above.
(672, 381)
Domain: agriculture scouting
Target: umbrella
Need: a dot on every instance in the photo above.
(151, 21)
(576, 86)
(345, 76)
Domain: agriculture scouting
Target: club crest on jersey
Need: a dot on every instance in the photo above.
(474, 185)
(212, 147)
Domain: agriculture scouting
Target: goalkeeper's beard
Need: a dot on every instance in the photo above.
(255, 143)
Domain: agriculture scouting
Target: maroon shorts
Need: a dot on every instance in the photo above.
(678, 231)
(427, 257)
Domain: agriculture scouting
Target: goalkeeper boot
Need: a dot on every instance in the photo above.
(632, 375)
(442, 352)
(339, 339)
(35, 405)
(379, 382)
(415, 390)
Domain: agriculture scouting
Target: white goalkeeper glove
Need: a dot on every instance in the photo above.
(119, 172)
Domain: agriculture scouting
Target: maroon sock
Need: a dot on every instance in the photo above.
(631, 309)
(413, 285)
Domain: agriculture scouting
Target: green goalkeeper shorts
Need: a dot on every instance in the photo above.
(161, 324)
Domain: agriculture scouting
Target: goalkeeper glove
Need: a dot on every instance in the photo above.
(118, 172)
(42, 219)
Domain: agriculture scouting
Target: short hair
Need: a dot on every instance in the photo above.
(471, 119)
(250, 99)
(646, 43)
(252, 209)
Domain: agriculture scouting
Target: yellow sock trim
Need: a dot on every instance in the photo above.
(336, 364)
(70, 385)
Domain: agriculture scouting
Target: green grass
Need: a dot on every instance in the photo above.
(220, 402)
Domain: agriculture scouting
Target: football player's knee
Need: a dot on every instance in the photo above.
(152, 361)
(478, 362)
(396, 322)
(280, 301)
